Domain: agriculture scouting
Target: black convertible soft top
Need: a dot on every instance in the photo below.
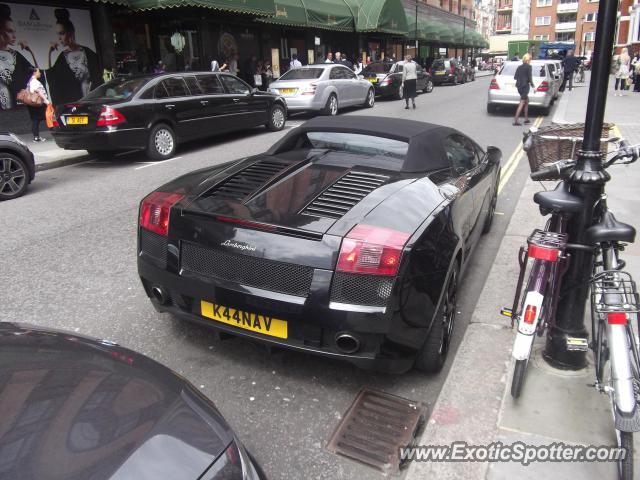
(426, 152)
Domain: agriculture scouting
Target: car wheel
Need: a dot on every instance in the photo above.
(370, 100)
(488, 221)
(434, 351)
(400, 95)
(331, 108)
(14, 176)
(277, 118)
(429, 87)
(162, 142)
(491, 108)
(101, 155)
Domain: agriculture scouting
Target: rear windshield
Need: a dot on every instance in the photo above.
(118, 89)
(302, 74)
(359, 144)
(509, 69)
(381, 67)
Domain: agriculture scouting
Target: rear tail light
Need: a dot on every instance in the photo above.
(371, 250)
(530, 314)
(541, 253)
(543, 87)
(386, 82)
(617, 318)
(494, 85)
(154, 211)
(109, 116)
(310, 90)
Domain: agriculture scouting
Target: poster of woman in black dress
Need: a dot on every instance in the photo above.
(14, 67)
(75, 71)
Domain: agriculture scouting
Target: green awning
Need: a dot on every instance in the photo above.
(446, 34)
(385, 16)
(428, 31)
(325, 14)
(254, 7)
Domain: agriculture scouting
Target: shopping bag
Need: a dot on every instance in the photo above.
(50, 116)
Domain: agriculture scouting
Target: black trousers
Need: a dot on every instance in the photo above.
(622, 84)
(37, 115)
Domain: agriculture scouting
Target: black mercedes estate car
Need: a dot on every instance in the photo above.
(386, 78)
(77, 408)
(155, 112)
(347, 238)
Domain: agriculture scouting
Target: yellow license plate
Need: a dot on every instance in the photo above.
(372, 80)
(440, 73)
(245, 320)
(77, 120)
(288, 91)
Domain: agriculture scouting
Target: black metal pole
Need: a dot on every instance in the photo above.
(587, 182)
(416, 32)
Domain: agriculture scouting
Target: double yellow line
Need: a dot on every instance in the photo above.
(514, 160)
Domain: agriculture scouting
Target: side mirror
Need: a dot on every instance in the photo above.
(494, 155)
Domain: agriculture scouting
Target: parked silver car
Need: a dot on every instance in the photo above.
(503, 91)
(557, 72)
(323, 88)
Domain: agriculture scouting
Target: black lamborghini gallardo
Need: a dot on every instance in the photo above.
(345, 239)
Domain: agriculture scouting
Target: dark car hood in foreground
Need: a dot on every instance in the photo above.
(78, 408)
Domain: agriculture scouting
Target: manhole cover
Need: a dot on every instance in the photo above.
(375, 427)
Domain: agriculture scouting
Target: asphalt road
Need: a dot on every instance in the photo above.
(68, 260)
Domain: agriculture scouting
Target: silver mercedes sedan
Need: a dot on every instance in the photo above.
(324, 88)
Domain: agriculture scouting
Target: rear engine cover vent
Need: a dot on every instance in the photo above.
(343, 195)
(242, 184)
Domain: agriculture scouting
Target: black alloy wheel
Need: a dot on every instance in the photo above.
(434, 352)
(14, 176)
(277, 118)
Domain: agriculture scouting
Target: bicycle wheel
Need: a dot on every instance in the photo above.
(518, 377)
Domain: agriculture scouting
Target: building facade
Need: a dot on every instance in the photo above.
(485, 17)
(512, 17)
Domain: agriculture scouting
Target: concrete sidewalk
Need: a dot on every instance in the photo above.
(475, 404)
(48, 155)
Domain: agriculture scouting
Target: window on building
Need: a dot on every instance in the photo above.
(590, 36)
(545, 3)
(591, 17)
(565, 37)
(543, 20)
(568, 1)
(541, 37)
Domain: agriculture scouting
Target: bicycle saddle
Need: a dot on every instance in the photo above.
(610, 230)
(559, 200)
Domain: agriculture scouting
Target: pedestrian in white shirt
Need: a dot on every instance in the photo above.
(37, 113)
(295, 63)
(215, 66)
(409, 79)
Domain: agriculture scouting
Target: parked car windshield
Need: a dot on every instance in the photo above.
(302, 74)
(360, 144)
(379, 67)
(118, 89)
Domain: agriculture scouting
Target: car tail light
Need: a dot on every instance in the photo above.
(541, 253)
(154, 211)
(109, 116)
(530, 314)
(543, 87)
(617, 318)
(386, 82)
(371, 250)
(494, 85)
(310, 90)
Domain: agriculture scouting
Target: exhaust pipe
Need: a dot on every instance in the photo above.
(347, 343)
(160, 294)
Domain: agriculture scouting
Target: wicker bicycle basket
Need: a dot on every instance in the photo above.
(558, 142)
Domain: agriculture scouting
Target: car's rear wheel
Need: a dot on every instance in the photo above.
(435, 349)
(14, 176)
(277, 118)
(370, 99)
(331, 107)
(429, 87)
(162, 142)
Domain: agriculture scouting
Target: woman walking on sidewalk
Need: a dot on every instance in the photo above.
(622, 74)
(409, 79)
(524, 80)
(37, 113)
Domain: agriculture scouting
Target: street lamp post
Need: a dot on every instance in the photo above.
(587, 182)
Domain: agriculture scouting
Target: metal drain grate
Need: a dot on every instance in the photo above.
(375, 427)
